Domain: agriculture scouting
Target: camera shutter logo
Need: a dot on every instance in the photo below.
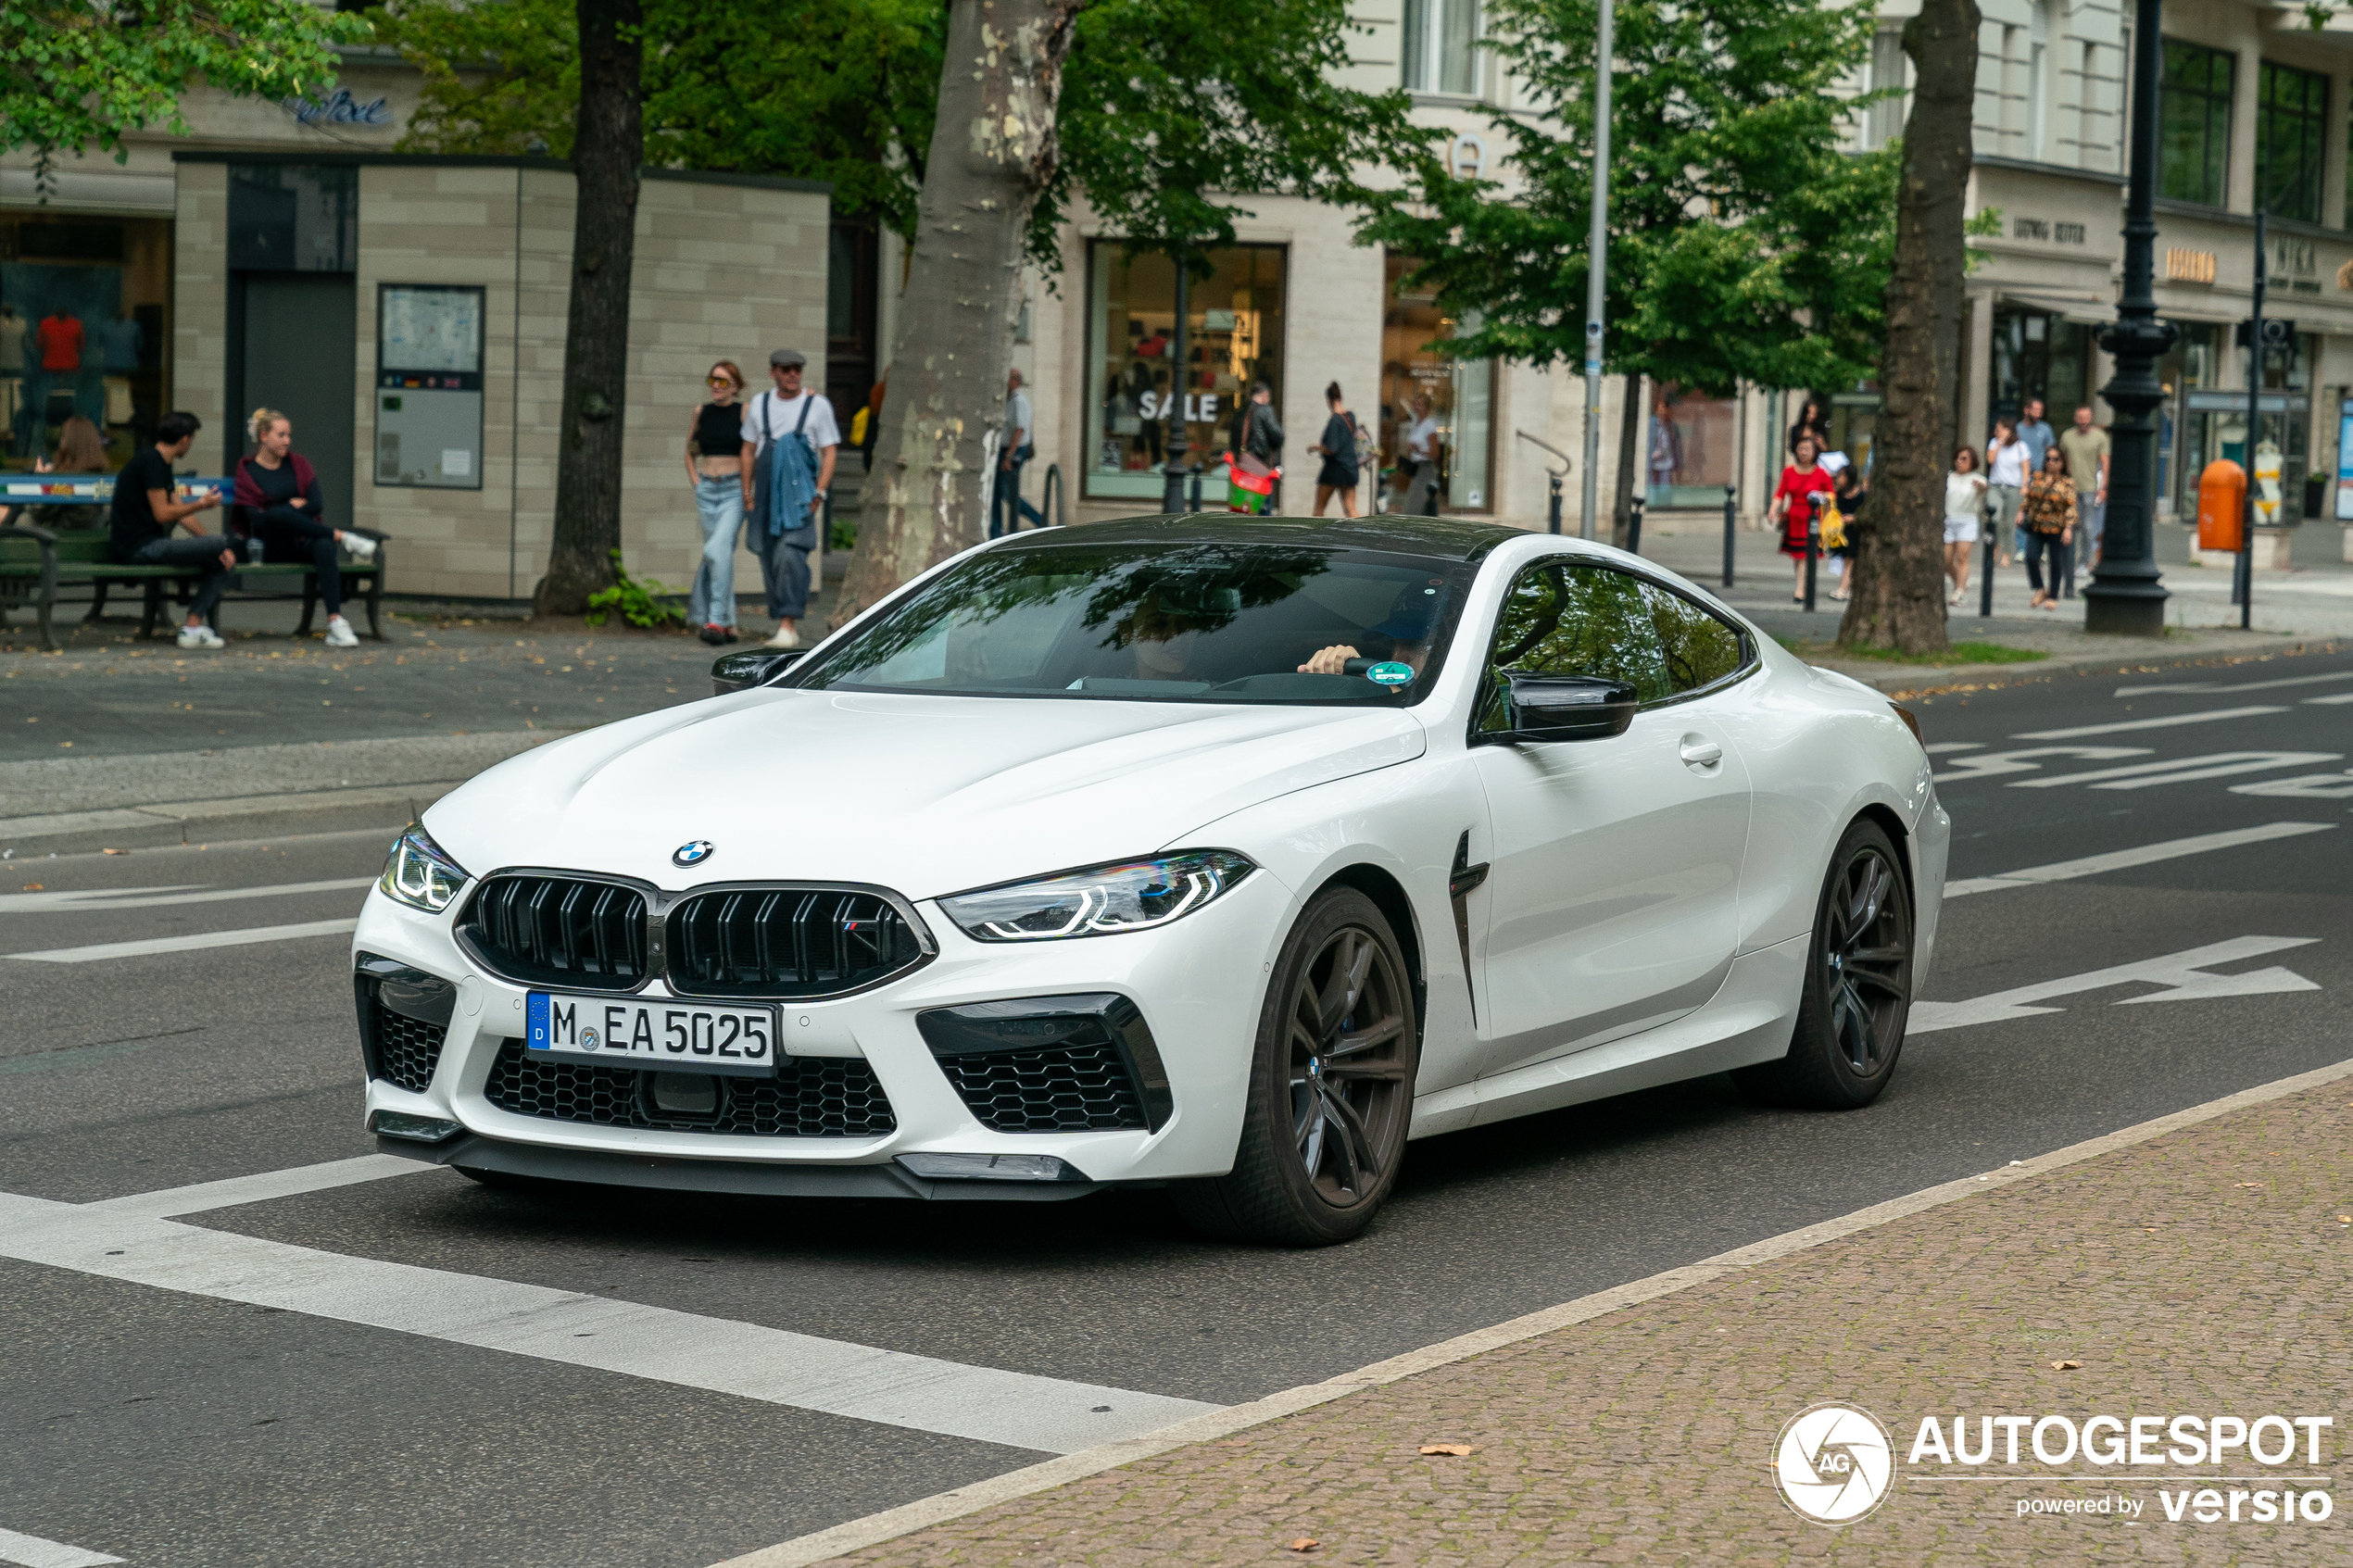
(693, 854)
(1834, 1463)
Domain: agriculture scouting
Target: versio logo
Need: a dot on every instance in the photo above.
(1834, 1463)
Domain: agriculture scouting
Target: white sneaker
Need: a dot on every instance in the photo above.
(340, 634)
(361, 548)
(785, 637)
(200, 637)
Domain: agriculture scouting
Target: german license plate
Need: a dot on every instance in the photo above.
(655, 1031)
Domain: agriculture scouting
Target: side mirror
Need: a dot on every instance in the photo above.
(755, 667)
(1548, 708)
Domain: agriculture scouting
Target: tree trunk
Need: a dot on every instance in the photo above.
(607, 148)
(1899, 568)
(1630, 457)
(992, 152)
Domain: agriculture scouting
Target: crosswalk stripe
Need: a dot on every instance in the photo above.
(101, 899)
(2168, 722)
(2122, 859)
(190, 943)
(2181, 769)
(890, 1388)
(36, 1552)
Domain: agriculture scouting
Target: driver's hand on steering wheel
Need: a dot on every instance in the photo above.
(1331, 661)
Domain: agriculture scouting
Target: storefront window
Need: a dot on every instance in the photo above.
(2038, 355)
(84, 323)
(2208, 387)
(2291, 132)
(1691, 447)
(2194, 123)
(1461, 395)
(1234, 337)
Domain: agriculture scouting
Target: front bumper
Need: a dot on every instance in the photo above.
(1197, 983)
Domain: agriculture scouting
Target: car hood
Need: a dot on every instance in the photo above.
(925, 795)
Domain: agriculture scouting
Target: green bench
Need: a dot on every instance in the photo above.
(41, 567)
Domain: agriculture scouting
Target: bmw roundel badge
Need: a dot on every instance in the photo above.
(693, 854)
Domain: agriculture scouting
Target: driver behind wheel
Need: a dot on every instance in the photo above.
(1404, 637)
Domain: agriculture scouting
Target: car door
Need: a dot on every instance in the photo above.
(1616, 862)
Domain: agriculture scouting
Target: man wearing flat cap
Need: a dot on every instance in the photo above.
(789, 443)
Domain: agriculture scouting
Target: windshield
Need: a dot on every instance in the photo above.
(1187, 623)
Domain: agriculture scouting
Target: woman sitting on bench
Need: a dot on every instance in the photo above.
(280, 495)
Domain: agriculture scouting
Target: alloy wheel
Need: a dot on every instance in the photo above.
(1866, 958)
(1349, 1066)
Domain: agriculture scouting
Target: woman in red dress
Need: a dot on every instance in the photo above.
(1797, 501)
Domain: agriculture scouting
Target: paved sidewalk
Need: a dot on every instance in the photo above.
(2205, 1270)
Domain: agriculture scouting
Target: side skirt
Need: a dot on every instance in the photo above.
(1748, 1021)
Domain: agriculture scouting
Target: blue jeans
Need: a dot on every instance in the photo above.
(783, 561)
(203, 550)
(720, 503)
(1008, 498)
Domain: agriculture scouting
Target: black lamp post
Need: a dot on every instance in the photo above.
(1172, 493)
(2124, 596)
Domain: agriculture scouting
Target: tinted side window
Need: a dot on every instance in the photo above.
(1700, 650)
(1563, 619)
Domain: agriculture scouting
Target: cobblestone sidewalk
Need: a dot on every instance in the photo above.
(2209, 1271)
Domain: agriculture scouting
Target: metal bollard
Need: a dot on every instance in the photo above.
(1731, 521)
(1634, 527)
(1813, 556)
(1985, 579)
(1553, 502)
(1192, 494)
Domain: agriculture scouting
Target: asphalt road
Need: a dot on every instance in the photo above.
(173, 1427)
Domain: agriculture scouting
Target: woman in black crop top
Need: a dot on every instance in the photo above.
(714, 467)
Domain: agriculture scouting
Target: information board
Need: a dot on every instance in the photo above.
(429, 345)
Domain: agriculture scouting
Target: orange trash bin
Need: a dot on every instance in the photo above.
(2222, 507)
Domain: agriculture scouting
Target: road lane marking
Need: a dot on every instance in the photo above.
(2181, 769)
(1941, 747)
(2307, 787)
(2209, 686)
(34, 1551)
(114, 1240)
(2330, 701)
(2122, 859)
(2182, 974)
(1995, 763)
(2168, 722)
(190, 943)
(260, 1188)
(856, 1534)
(154, 898)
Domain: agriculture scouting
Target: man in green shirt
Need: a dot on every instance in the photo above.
(2086, 447)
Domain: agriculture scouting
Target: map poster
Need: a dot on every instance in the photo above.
(430, 329)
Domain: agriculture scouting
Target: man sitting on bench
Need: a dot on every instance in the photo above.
(145, 517)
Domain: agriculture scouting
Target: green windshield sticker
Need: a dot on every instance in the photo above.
(1389, 672)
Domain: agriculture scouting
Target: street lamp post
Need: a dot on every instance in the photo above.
(1597, 269)
(1172, 491)
(2124, 596)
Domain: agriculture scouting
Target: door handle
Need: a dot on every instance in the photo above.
(1700, 753)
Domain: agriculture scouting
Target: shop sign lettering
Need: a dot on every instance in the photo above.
(2189, 266)
(342, 109)
(1198, 409)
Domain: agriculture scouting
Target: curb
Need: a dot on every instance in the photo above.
(167, 825)
(1923, 680)
(859, 1534)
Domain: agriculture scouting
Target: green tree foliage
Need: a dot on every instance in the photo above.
(1165, 103)
(77, 74)
(840, 93)
(1743, 245)
(1175, 111)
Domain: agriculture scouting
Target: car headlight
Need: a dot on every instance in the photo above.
(419, 873)
(1101, 900)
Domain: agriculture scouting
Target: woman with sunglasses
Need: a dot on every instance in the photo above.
(714, 467)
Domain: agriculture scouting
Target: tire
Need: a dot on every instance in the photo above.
(1331, 1091)
(1856, 997)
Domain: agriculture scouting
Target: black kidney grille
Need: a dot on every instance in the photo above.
(1066, 1088)
(408, 1049)
(560, 931)
(814, 1097)
(786, 941)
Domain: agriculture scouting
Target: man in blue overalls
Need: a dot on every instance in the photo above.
(789, 444)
